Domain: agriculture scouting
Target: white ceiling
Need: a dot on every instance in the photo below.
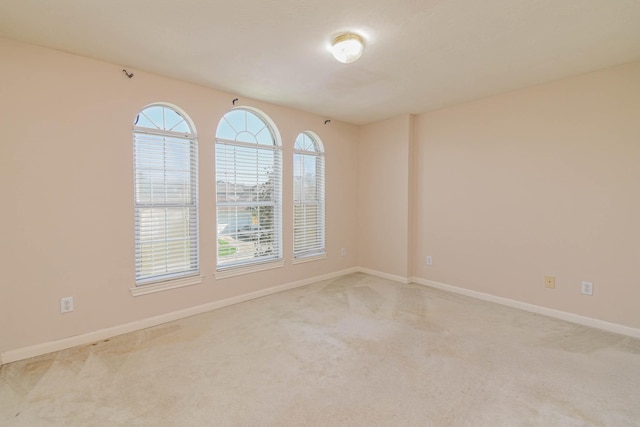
(421, 54)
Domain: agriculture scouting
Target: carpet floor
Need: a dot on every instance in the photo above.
(353, 351)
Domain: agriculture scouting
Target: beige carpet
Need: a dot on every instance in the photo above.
(353, 351)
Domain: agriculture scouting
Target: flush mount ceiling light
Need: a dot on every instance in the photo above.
(347, 47)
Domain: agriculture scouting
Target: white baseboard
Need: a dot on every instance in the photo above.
(102, 334)
(563, 315)
(377, 273)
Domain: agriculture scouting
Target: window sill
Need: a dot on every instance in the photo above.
(237, 271)
(165, 286)
(309, 258)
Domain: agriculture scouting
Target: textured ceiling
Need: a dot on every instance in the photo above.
(420, 54)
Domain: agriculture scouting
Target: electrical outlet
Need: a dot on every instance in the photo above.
(587, 288)
(550, 282)
(343, 252)
(429, 260)
(66, 304)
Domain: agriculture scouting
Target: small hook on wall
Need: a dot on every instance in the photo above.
(327, 121)
(130, 75)
(234, 101)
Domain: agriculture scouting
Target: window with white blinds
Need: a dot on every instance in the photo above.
(166, 195)
(248, 190)
(308, 194)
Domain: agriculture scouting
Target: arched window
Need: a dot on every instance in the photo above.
(165, 159)
(248, 189)
(308, 195)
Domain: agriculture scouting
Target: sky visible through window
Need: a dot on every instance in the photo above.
(162, 118)
(244, 126)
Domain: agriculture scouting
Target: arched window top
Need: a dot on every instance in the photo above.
(308, 142)
(248, 126)
(163, 118)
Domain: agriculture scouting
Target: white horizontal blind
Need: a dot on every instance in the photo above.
(166, 196)
(308, 193)
(248, 191)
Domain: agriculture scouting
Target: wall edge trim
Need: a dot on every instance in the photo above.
(383, 275)
(545, 311)
(102, 334)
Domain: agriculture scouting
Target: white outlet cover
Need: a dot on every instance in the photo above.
(587, 288)
(66, 304)
(429, 260)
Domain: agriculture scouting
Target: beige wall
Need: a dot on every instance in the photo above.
(542, 181)
(383, 196)
(66, 185)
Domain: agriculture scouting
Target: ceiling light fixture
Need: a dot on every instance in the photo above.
(347, 47)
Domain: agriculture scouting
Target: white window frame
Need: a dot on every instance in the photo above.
(230, 259)
(309, 240)
(166, 268)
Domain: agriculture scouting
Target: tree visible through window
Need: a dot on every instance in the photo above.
(308, 194)
(166, 195)
(248, 188)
